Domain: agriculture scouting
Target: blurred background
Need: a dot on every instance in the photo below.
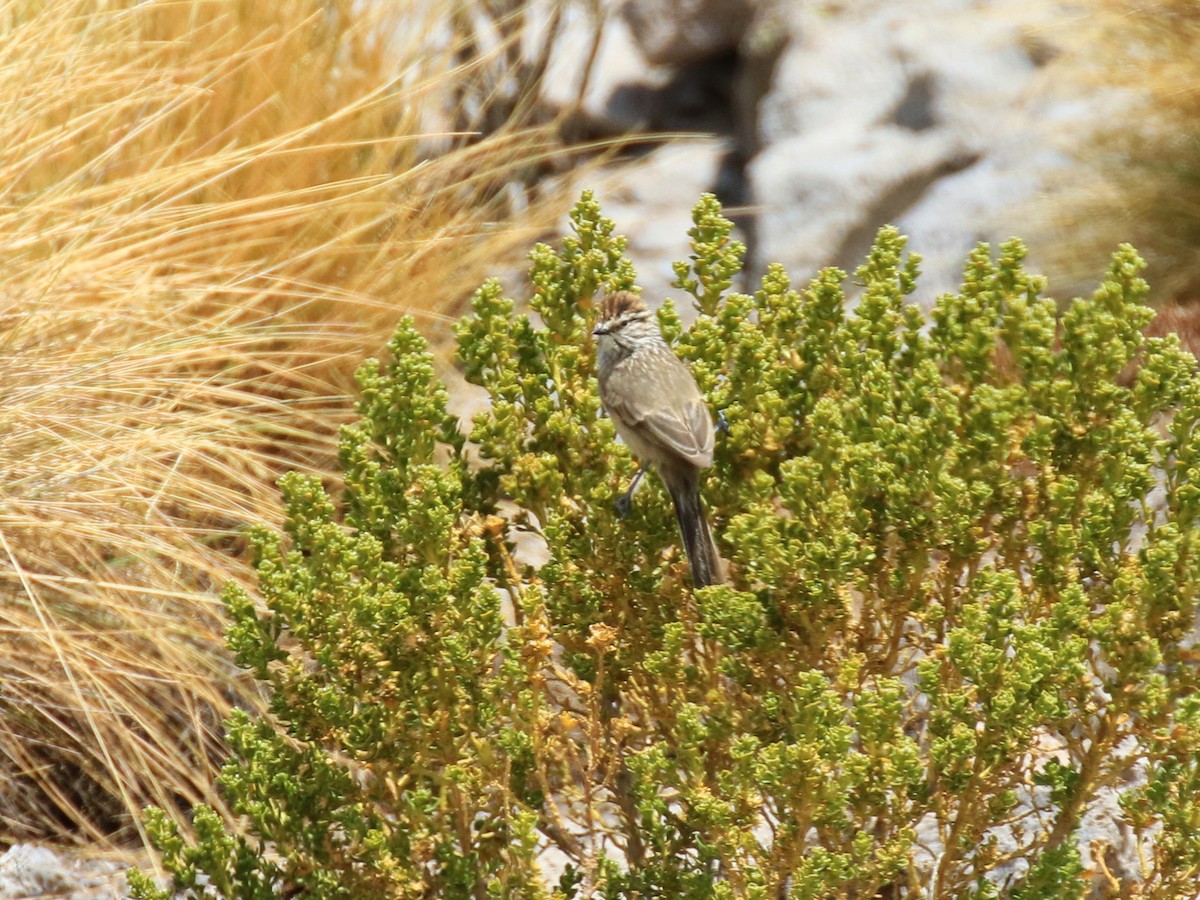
(211, 211)
(1070, 124)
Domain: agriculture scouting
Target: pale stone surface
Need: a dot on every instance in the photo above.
(27, 870)
(926, 115)
(960, 210)
(651, 202)
(845, 117)
(821, 195)
(837, 70)
(1106, 843)
(30, 871)
(619, 95)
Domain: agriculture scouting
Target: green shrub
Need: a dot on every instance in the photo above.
(965, 567)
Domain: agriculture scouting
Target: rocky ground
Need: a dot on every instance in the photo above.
(822, 121)
(30, 871)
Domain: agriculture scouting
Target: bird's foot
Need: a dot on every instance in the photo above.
(624, 504)
(625, 501)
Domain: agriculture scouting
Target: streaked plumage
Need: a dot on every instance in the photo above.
(660, 413)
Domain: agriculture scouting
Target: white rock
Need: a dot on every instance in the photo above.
(816, 193)
(620, 92)
(837, 71)
(30, 871)
(925, 115)
(1104, 837)
(959, 211)
(652, 201)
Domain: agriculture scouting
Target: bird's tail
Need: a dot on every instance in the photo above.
(693, 528)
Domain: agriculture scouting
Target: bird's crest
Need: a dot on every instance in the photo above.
(620, 303)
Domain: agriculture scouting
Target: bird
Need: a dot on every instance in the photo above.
(661, 415)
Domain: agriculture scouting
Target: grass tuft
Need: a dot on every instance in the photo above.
(210, 212)
(1139, 179)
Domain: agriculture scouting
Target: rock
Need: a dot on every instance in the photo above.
(27, 870)
(962, 209)
(922, 116)
(30, 871)
(991, 200)
(623, 94)
(621, 90)
(1107, 845)
(838, 118)
(822, 196)
(834, 71)
(651, 202)
(958, 64)
(680, 32)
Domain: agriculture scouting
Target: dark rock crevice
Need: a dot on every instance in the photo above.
(890, 206)
(917, 109)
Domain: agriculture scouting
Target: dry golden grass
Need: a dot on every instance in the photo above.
(1139, 179)
(210, 212)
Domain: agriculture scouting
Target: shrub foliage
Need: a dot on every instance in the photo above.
(964, 573)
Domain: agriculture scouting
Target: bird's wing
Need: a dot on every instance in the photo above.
(674, 414)
(688, 432)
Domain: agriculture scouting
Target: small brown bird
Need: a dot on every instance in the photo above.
(660, 413)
